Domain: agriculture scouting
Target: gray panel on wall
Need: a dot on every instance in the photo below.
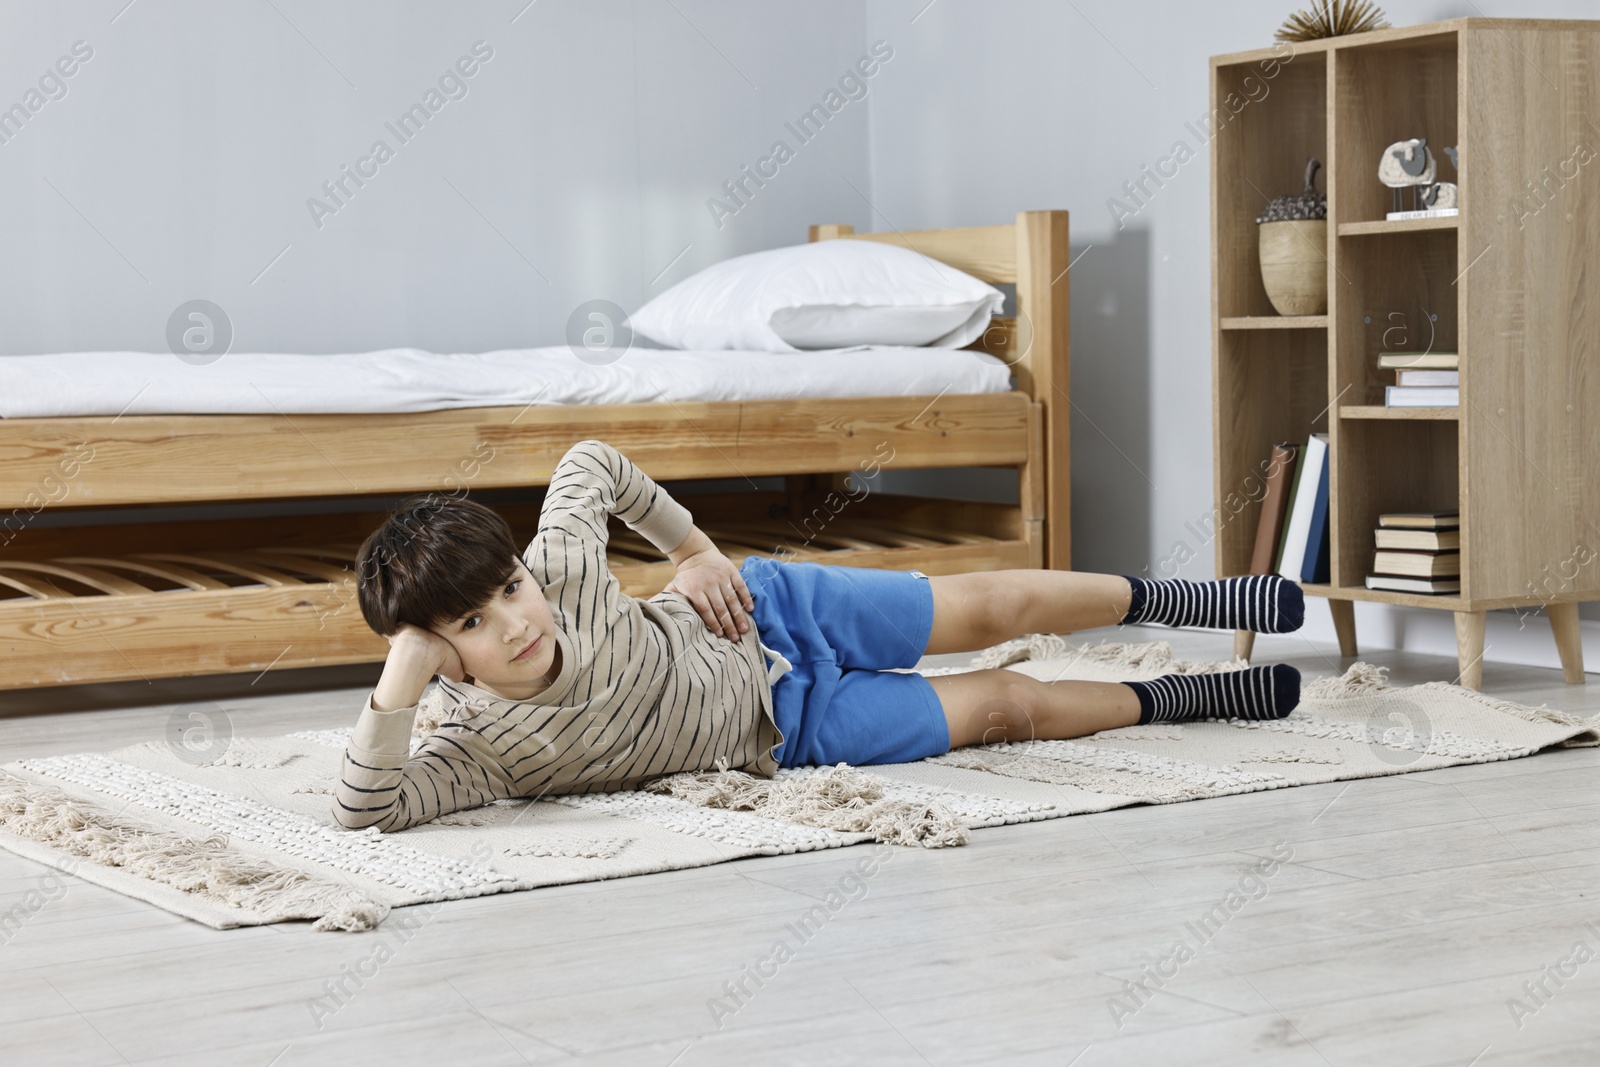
(574, 164)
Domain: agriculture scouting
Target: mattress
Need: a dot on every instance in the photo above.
(408, 379)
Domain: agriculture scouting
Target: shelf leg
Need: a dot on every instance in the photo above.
(1344, 624)
(1244, 641)
(1469, 647)
(1569, 639)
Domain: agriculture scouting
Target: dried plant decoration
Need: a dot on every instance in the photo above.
(1332, 18)
(1302, 206)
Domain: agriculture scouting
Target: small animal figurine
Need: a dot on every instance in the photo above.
(1442, 194)
(1455, 157)
(1407, 163)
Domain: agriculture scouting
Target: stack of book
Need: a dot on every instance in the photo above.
(1418, 552)
(1292, 535)
(1422, 379)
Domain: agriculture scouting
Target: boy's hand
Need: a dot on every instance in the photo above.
(427, 652)
(714, 586)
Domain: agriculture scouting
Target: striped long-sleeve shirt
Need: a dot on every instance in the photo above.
(645, 688)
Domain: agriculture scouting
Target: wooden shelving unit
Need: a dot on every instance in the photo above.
(1511, 288)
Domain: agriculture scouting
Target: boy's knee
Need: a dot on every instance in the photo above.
(998, 609)
(1012, 714)
(989, 610)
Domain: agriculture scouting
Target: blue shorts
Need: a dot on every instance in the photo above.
(843, 628)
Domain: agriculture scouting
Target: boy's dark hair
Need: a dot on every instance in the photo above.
(434, 559)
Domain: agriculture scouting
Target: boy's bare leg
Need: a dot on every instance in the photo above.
(991, 707)
(977, 610)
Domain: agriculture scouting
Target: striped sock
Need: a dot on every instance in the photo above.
(1254, 693)
(1263, 603)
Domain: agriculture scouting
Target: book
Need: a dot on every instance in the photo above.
(1417, 564)
(1408, 376)
(1420, 540)
(1312, 468)
(1274, 506)
(1421, 396)
(1422, 213)
(1315, 568)
(1294, 487)
(1420, 360)
(1414, 585)
(1421, 520)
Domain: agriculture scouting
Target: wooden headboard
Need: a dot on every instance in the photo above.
(1032, 254)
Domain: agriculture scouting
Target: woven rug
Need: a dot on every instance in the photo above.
(247, 838)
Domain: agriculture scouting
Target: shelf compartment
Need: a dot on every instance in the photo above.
(1385, 93)
(1257, 154)
(1385, 465)
(1275, 322)
(1378, 411)
(1381, 226)
(1395, 295)
(1271, 387)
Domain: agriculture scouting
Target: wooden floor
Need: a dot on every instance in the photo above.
(1413, 909)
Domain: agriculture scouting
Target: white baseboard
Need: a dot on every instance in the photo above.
(1508, 637)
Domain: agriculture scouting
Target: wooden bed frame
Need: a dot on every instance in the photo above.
(95, 603)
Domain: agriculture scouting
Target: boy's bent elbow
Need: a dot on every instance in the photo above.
(386, 821)
(361, 820)
(592, 446)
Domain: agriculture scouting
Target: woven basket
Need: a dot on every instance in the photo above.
(1294, 265)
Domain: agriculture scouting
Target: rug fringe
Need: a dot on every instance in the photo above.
(1357, 679)
(1521, 711)
(1028, 646)
(205, 868)
(1361, 678)
(839, 798)
(431, 712)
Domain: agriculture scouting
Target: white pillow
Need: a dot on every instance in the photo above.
(826, 294)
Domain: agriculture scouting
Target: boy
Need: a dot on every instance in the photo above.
(555, 681)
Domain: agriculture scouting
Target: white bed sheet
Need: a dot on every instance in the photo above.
(408, 379)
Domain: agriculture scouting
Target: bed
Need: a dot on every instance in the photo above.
(129, 600)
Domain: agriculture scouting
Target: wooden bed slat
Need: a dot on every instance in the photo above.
(343, 553)
(794, 538)
(289, 564)
(172, 572)
(93, 577)
(892, 538)
(40, 591)
(226, 562)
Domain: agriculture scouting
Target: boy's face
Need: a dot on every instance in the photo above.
(489, 638)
